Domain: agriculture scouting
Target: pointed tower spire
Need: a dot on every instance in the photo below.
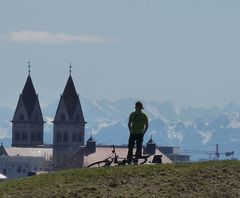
(70, 96)
(70, 68)
(151, 146)
(151, 140)
(27, 122)
(29, 96)
(68, 129)
(91, 139)
(91, 145)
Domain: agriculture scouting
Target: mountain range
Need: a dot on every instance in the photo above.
(194, 130)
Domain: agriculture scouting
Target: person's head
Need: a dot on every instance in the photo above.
(138, 105)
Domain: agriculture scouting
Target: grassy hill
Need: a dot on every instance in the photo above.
(208, 179)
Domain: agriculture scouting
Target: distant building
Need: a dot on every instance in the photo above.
(68, 130)
(27, 122)
(91, 146)
(151, 147)
(100, 152)
(173, 153)
(2, 177)
(16, 162)
(28, 154)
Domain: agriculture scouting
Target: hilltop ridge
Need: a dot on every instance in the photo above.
(208, 179)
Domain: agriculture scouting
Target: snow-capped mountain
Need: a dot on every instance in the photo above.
(5, 124)
(188, 127)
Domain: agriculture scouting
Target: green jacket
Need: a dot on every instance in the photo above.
(137, 122)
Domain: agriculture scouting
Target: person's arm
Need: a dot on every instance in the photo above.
(146, 125)
(130, 123)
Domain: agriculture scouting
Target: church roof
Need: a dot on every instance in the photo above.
(104, 152)
(2, 150)
(2, 177)
(70, 96)
(29, 96)
(30, 152)
(150, 141)
(91, 139)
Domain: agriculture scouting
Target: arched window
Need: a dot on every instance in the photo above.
(65, 137)
(59, 137)
(24, 136)
(33, 138)
(17, 136)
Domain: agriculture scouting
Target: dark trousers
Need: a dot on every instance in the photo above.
(138, 138)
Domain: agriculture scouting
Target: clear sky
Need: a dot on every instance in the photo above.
(184, 51)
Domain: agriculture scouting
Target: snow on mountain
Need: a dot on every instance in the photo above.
(102, 125)
(6, 115)
(4, 133)
(97, 105)
(173, 133)
(169, 124)
(153, 111)
(234, 121)
(206, 136)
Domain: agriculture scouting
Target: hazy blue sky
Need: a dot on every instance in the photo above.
(185, 51)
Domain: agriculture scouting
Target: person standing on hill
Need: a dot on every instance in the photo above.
(138, 125)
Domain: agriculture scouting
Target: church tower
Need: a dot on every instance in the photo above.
(27, 122)
(68, 129)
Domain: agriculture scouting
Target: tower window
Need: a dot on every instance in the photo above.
(17, 136)
(33, 136)
(24, 136)
(65, 137)
(19, 168)
(59, 137)
(21, 117)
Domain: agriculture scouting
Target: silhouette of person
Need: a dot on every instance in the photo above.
(138, 125)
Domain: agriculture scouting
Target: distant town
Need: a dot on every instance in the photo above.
(28, 155)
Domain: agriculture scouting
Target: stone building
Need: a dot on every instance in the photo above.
(17, 162)
(68, 130)
(68, 149)
(27, 122)
(68, 125)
